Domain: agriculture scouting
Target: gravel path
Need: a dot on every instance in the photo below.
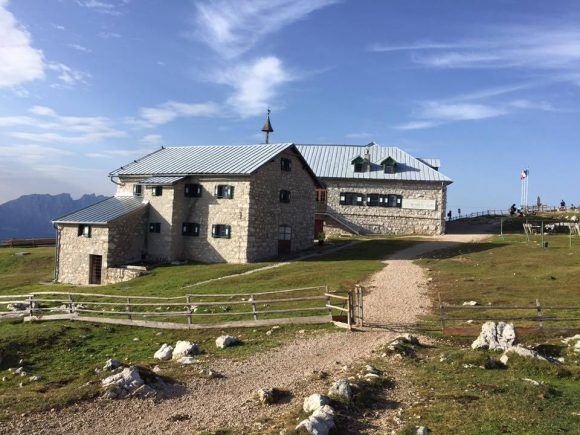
(397, 297)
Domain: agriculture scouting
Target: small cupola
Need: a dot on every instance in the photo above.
(389, 165)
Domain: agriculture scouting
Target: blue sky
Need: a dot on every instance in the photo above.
(489, 87)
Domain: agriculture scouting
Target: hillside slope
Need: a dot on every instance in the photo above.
(30, 215)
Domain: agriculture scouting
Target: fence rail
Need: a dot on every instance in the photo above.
(191, 311)
(28, 243)
(541, 313)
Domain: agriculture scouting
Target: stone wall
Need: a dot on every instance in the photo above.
(75, 250)
(127, 238)
(267, 213)
(113, 275)
(386, 220)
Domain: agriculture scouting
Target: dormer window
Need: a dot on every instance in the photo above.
(389, 165)
(359, 164)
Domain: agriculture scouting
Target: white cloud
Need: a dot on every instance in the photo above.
(68, 76)
(79, 47)
(109, 7)
(152, 139)
(11, 121)
(171, 110)
(108, 154)
(233, 27)
(459, 112)
(31, 152)
(532, 105)
(555, 47)
(19, 61)
(42, 111)
(109, 35)
(417, 125)
(255, 84)
(360, 135)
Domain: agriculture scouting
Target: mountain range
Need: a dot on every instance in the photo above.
(30, 215)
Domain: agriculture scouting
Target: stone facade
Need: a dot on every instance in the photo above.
(385, 220)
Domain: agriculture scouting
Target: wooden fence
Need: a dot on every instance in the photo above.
(28, 243)
(537, 314)
(192, 311)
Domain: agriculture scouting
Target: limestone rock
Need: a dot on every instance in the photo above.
(341, 390)
(226, 341)
(112, 364)
(504, 359)
(17, 306)
(373, 370)
(470, 303)
(525, 352)
(495, 336)
(128, 379)
(266, 395)
(422, 430)
(320, 422)
(185, 348)
(164, 353)
(144, 392)
(187, 360)
(35, 378)
(409, 339)
(314, 402)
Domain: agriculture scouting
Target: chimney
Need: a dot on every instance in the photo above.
(367, 159)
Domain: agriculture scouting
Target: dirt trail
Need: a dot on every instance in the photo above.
(396, 297)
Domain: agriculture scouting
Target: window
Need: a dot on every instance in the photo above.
(190, 229)
(157, 191)
(220, 231)
(224, 191)
(349, 198)
(84, 230)
(192, 190)
(320, 195)
(284, 196)
(389, 165)
(393, 201)
(359, 164)
(286, 164)
(373, 200)
(284, 232)
(137, 189)
(155, 227)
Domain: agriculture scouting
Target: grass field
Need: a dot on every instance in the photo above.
(456, 395)
(65, 354)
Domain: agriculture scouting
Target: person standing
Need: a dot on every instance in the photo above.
(449, 215)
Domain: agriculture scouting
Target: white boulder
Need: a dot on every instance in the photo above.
(525, 352)
(495, 336)
(320, 422)
(185, 348)
(341, 390)
(226, 341)
(266, 395)
(470, 303)
(422, 430)
(164, 353)
(314, 402)
(187, 360)
(112, 364)
(129, 379)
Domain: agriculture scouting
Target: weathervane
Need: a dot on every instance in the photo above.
(267, 128)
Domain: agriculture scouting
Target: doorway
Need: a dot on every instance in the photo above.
(318, 227)
(95, 268)
(284, 239)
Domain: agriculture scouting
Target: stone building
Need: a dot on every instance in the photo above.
(204, 203)
(372, 189)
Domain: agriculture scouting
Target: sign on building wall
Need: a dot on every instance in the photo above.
(420, 204)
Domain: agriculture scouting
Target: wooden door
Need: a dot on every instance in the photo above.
(284, 239)
(95, 269)
(318, 227)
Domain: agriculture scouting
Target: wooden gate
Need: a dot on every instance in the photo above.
(95, 269)
(353, 310)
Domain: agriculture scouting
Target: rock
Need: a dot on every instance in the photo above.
(422, 430)
(22, 254)
(144, 392)
(17, 306)
(372, 376)
(470, 303)
(408, 339)
(495, 336)
(35, 378)
(314, 402)
(4, 378)
(187, 360)
(226, 341)
(269, 332)
(209, 373)
(302, 331)
(164, 353)
(319, 423)
(493, 364)
(531, 381)
(19, 370)
(266, 395)
(341, 390)
(156, 369)
(504, 359)
(372, 370)
(525, 352)
(185, 348)
(136, 339)
(112, 364)
(129, 379)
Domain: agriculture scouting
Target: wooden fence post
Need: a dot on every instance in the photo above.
(254, 311)
(70, 304)
(188, 300)
(129, 308)
(349, 310)
(30, 305)
(327, 300)
(441, 313)
(539, 313)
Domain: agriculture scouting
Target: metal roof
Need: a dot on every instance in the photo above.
(211, 160)
(334, 161)
(161, 181)
(434, 163)
(103, 212)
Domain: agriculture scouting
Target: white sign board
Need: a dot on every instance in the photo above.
(420, 204)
